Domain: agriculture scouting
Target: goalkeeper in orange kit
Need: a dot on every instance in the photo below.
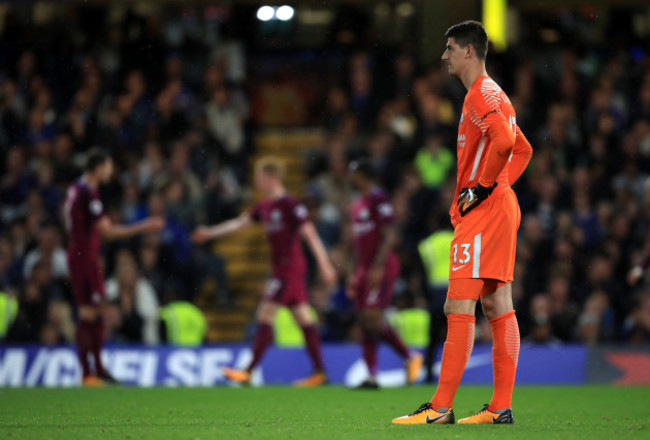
(492, 154)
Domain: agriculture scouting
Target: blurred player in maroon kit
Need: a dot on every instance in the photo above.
(285, 221)
(376, 272)
(86, 224)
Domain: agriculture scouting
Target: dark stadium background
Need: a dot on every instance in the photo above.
(186, 95)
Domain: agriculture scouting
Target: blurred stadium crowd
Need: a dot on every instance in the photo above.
(173, 109)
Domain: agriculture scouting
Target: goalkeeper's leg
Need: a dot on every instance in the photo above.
(498, 308)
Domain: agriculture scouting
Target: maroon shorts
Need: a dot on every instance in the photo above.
(287, 291)
(377, 298)
(87, 279)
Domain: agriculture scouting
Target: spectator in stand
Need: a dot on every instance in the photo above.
(594, 322)
(540, 331)
(434, 161)
(336, 108)
(182, 323)
(50, 252)
(44, 314)
(15, 183)
(225, 124)
(134, 302)
(178, 171)
(563, 311)
(637, 324)
(362, 99)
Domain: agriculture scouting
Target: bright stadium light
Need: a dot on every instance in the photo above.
(284, 13)
(265, 13)
(495, 20)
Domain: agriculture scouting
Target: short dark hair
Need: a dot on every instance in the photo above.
(364, 167)
(95, 158)
(272, 166)
(470, 32)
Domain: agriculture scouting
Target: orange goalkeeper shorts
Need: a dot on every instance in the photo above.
(470, 288)
(485, 241)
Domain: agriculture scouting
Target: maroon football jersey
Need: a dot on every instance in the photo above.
(369, 215)
(81, 211)
(282, 219)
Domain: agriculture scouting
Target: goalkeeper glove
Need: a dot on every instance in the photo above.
(470, 198)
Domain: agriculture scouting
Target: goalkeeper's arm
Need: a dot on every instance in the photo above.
(502, 143)
(521, 155)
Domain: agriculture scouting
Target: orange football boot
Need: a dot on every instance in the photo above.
(92, 381)
(413, 368)
(239, 376)
(426, 415)
(485, 416)
(315, 380)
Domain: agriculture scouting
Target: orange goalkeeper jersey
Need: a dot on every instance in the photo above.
(485, 104)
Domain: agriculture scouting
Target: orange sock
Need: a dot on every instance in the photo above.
(505, 355)
(456, 352)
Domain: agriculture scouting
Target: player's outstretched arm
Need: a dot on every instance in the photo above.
(206, 233)
(111, 231)
(521, 155)
(309, 234)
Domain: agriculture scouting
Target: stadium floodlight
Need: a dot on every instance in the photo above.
(265, 13)
(284, 13)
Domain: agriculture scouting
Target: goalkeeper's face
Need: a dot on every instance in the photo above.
(455, 57)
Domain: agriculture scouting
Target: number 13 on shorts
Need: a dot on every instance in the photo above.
(466, 258)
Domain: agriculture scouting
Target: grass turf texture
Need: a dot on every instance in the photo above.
(593, 412)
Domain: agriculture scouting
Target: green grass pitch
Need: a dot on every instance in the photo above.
(592, 412)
